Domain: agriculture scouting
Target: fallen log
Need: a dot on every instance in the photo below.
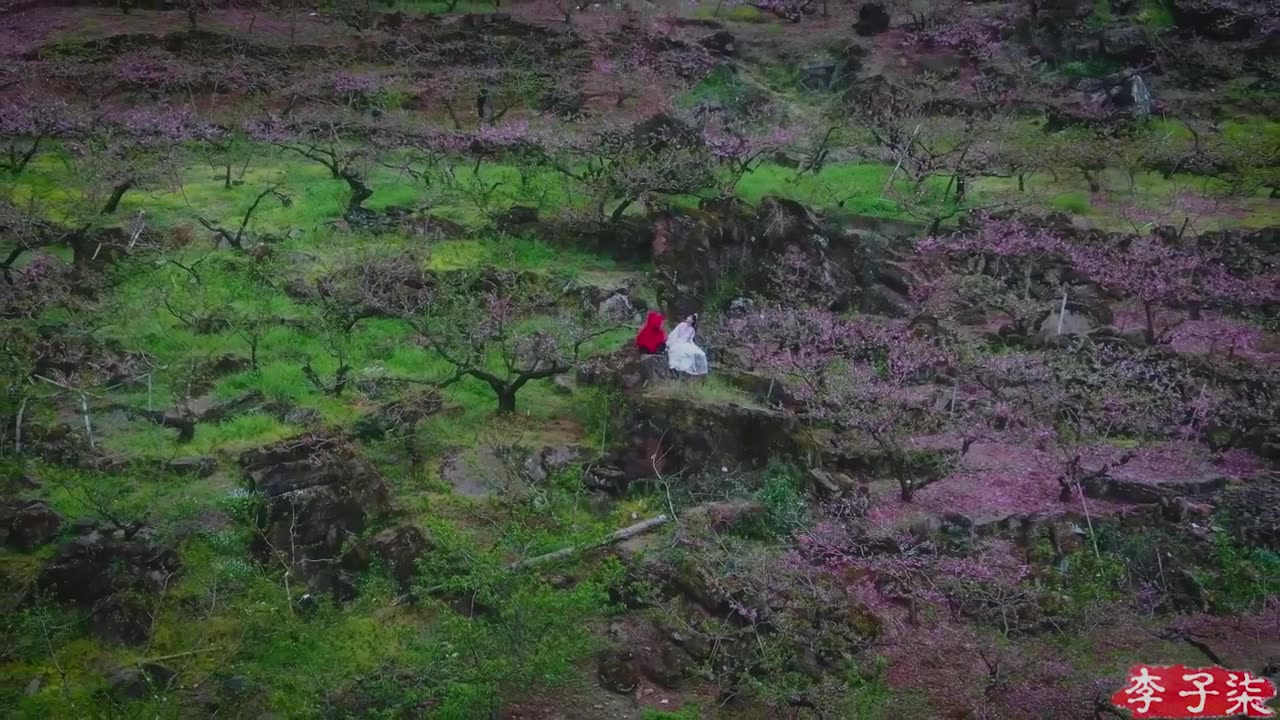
(616, 536)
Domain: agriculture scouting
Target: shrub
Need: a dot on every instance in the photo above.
(1071, 202)
(1088, 68)
(783, 496)
(1243, 578)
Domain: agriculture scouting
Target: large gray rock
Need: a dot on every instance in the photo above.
(479, 472)
(398, 547)
(1059, 324)
(781, 250)
(318, 492)
(1126, 43)
(550, 460)
(28, 525)
(136, 683)
(1126, 92)
(617, 307)
(873, 19)
(112, 579)
(1218, 20)
(625, 369)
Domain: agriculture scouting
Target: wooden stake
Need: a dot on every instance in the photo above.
(901, 156)
(17, 429)
(88, 429)
(1062, 311)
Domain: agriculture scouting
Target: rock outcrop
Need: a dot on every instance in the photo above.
(873, 19)
(112, 578)
(318, 493)
(711, 433)
(28, 525)
(780, 250)
(1126, 92)
(398, 548)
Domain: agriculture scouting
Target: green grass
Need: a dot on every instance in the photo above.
(316, 198)
(705, 389)
(436, 7)
(689, 712)
(1072, 202)
(514, 253)
(733, 13)
(1070, 193)
(1101, 15)
(1095, 68)
(857, 187)
(1155, 15)
(722, 86)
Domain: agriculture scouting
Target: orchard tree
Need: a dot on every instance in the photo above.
(517, 75)
(28, 231)
(990, 263)
(742, 149)
(354, 91)
(497, 338)
(335, 140)
(235, 237)
(28, 124)
(924, 147)
(194, 9)
(979, 38)
(154, 71)
(132, 149)
(873, 379)
(1157, 273)
(501, 332)
(225, 149)
(625, 164)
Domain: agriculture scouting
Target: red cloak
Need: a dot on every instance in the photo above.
(651, 337)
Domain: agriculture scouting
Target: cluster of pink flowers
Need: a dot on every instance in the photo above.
(35, 116)
(977, 38)
(993, 236)
(43, 281)
(153, 69)
(342, 86)
(740, 145)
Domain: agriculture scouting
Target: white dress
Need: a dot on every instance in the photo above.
(682, 354)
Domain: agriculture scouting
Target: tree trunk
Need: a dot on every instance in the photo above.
(618, 211)
(1022, 182)
(506, 400)
(226, 183)
(340, 380)
(117, 193)
(1094, 185)
(359, 191)
(1149, 311)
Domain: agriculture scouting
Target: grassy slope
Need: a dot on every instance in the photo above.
(235, 613)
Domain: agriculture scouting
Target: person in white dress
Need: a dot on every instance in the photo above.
(682, 354)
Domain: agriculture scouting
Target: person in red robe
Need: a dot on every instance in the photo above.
(652, 339)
